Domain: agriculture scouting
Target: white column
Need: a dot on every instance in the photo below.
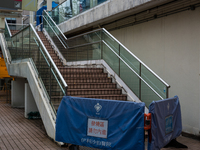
(2, 23)
(17, 92)
(30, 105)
(60, 1)
(49, 5)
(31, 17)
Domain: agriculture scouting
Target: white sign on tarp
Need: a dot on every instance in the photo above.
(97, 128)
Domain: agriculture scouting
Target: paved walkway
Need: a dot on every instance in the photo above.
(18, 133)
(192, 144)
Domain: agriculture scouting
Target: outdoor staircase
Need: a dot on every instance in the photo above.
(13, 32)
(82, 82)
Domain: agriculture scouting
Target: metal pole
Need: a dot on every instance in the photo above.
(29, 42)
(167, 92)
(39, 56)
(22, 45)
(50, 83)
(76, 54)
(140, 86)
(101, 44)
(87, 52)
(16, 48)
(119, 61)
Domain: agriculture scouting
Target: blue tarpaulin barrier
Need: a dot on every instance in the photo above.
(39, 13)
(103, 124)
(166, 122)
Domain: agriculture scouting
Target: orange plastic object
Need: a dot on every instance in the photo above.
(147, 121)
(3, 69)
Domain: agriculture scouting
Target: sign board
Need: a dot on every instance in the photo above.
(168, 124)
(11, 4)
(97, 128)
(30, 5)
(103, 124)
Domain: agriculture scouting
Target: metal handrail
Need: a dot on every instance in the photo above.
(20, 31)
(56, 25)
(55, 33)
(7, 51)
(8, 28)
(58, 5)
(17, 24)
(84, 34)
(8, 31)
(32, 62)
(132, 70)
(49, 66)
(84, 44)
(167, 85)
(55, 67)
(4, 44)
(123, 62)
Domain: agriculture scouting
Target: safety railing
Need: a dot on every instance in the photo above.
(27, 44)
(16, 27)
(71, 8)
(53, 29)
(7, 30)
(100, 44)
(55, 33)
(6, 37)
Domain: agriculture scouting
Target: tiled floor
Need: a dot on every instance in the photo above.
(18, 133)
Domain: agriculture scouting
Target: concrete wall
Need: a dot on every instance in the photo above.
(106, 12)
(17, 92)
(26, 70)
(170, 47)
(30, 105)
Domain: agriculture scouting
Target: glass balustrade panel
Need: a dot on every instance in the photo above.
(154, 82)
(130, 60)
(129, 78)
(147, 95)
(111, 59)
(71, 8)
(27, 45)
(111, 42)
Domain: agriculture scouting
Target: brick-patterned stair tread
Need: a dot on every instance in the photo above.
(14, 31)
(79, 76)
(94, 80)
(92, 75)
(74, 92)
(80, 70)
(94, 96)
(90, 86)
(93, 89)
(46, 80)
